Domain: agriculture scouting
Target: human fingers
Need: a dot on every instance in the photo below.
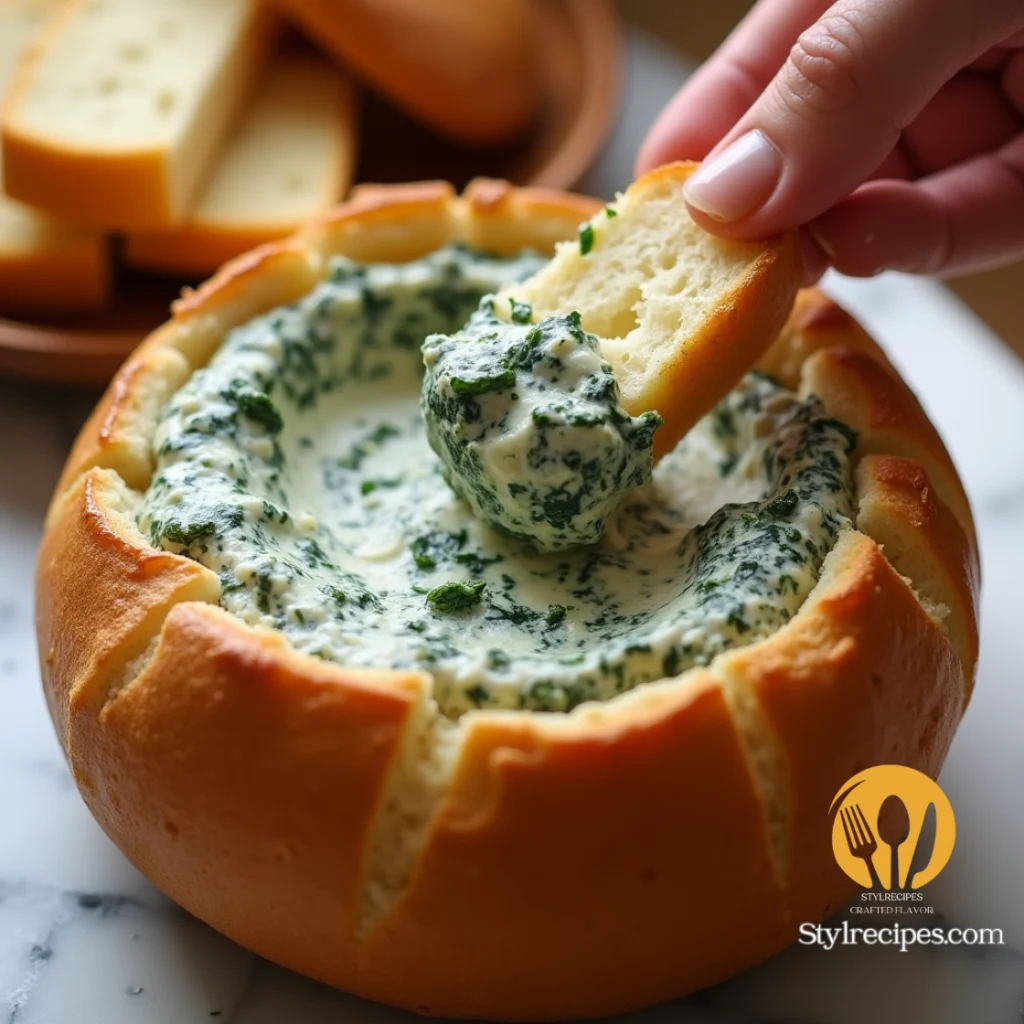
(1013, 80)
(724, 87)
(966, 218)
(852, 82)
(971, 114)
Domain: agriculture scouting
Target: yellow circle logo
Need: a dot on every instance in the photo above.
(892, 828)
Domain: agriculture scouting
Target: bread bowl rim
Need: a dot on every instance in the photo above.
(108, 455)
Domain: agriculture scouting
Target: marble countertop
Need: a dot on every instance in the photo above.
(84, 939)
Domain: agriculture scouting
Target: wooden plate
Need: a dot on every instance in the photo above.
(579, 53)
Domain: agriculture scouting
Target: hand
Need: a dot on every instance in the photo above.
(891, 130)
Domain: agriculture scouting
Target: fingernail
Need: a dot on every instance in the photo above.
(734, 183)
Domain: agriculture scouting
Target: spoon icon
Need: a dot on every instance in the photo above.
(893, 829)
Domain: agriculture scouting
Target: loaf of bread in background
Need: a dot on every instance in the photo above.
(117, 114)
(291, 155)
(463, 67)
(42, 263)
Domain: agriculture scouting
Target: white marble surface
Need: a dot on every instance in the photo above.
(85, 940)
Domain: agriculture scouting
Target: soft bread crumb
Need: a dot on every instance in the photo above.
(651, 275)
(412, 795)
(36, 251)
(132, 669)
(114, 121)
(767, 763)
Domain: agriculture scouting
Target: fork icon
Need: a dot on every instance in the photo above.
(861, 840)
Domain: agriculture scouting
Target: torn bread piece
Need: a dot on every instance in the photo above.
(681, 315)
(291, 157)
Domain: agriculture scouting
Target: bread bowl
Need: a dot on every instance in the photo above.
(499, 863)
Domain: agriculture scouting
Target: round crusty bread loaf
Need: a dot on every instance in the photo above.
(466, 69)
(514, 865)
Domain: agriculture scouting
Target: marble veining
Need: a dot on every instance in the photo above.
(84, 939)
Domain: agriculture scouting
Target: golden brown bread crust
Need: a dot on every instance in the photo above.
(924, 542)
(870, 396)
(815, 322)
(539, 821)
(467, 70)
(736, 340)
(228, 768)
(574, 865)
(859, 677)
(92, 547)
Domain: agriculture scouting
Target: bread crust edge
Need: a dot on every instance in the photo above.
(139, 664)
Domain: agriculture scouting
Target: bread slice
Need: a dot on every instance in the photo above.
(466, 69)
(117, 115)
(291, 156)
(42, 263)
(681, 314)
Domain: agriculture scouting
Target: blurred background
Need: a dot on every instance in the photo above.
(557, 93)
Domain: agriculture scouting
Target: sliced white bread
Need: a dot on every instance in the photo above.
(43, 264)
(117, 115)
(291, 156)
(681, 314)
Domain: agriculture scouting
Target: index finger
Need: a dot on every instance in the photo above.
(718, 94)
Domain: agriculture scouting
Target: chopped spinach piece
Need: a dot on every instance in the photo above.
(521, 312)
(450, 598)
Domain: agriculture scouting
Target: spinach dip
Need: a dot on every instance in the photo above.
(526, 421)
(296, 466)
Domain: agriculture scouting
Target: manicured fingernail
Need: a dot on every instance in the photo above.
(734, 183)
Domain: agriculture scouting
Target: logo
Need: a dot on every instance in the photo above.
(892, 829)
(892, 833)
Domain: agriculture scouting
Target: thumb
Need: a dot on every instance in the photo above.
(837, 107)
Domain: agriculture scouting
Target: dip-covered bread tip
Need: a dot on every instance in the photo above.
(328, 710)
(643, 307)
(526, 421)
(681, 315)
